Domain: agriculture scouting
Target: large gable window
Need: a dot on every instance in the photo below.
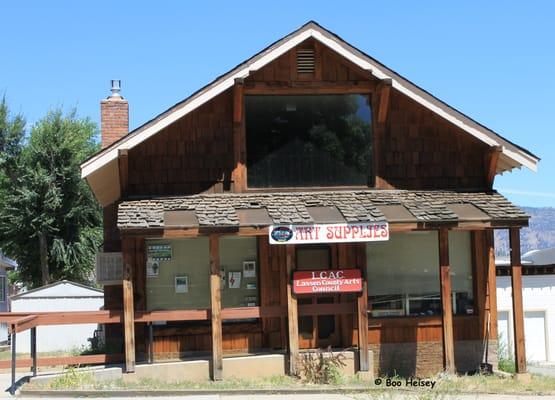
(308, 140)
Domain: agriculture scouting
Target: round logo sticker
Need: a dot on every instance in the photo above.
(282, 234)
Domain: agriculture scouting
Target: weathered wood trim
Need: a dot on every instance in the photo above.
(292, 88)
(446, 301)
(518, 311)
(123, 164)
(491, 300)
(128, 245)
(491, 160)
(385, 91)
(420, 329)
(71, 360)
(216, 307)
(239, 175)
(362, 311)
(292, 313)
(480, 280)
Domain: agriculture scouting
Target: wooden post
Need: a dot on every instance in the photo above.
(239, 174)
(150, 343)
(34, 350)
(14, 365)
(362, 310)
(446, 302)
(518, 313)
(216, 307)
(128, 247)
(292, 315)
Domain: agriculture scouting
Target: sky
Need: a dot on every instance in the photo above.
(494, 60)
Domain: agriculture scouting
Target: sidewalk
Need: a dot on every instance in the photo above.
(376, 396)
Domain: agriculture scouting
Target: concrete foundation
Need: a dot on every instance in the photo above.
(351, 361)
(254, 367)
(243, 367)
(193, 371)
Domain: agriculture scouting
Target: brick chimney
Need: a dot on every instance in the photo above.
(114, 116)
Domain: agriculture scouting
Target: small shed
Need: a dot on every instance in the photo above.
(58, 296)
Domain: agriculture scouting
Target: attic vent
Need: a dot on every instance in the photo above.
(305, 61)
(109, 268)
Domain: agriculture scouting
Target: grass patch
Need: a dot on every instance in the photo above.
(445, 385)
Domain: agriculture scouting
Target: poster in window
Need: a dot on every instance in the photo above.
(182, 284)
(249, 269)
(152, 268)
(251, 301)
(159, 252)
(234, 280)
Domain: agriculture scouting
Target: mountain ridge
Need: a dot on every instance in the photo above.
(540, 234)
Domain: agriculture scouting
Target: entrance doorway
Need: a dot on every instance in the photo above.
(322, 330)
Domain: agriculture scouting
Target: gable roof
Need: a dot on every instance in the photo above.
(71, 289)
(101, 169)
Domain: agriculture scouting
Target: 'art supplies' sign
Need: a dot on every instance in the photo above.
(329, 233)
(327, 281)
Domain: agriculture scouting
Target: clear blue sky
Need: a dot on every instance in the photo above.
(495, 61)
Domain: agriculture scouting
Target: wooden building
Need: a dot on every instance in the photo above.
(310, 156)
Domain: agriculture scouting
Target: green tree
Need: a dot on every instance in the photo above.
(49, 221)
(12, 131)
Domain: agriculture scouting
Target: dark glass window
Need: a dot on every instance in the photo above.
(309, 140)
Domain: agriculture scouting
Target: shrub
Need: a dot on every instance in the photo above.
(506, 361)
(321, 366)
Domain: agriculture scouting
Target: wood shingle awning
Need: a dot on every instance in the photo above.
(423, 209)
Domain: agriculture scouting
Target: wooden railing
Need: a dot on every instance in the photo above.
(20, 322)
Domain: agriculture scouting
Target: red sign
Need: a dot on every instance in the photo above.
(327, 281)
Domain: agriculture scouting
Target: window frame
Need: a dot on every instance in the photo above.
(474, 290)
(313, 91)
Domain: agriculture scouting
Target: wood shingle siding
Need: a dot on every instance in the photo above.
(193, 155)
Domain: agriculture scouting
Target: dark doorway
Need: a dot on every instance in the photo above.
(322, 330)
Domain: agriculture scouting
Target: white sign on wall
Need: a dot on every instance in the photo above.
(329, 233)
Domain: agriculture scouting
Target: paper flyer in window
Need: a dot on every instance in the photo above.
(152, 267)
(234, 280)
(249, 269)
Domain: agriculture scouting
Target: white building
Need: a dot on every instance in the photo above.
(58, 296)
(538, 297)
(5, 264)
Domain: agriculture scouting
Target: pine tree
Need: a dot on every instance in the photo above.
(49, 221)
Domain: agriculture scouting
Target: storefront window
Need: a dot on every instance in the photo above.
(403, 274)
(239, 269)
(178, 273)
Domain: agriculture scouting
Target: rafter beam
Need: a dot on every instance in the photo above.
(492, 159)
(385, 91)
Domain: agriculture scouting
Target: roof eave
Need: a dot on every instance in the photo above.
(520, 156)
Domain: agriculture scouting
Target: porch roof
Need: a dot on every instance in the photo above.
(229, 210)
